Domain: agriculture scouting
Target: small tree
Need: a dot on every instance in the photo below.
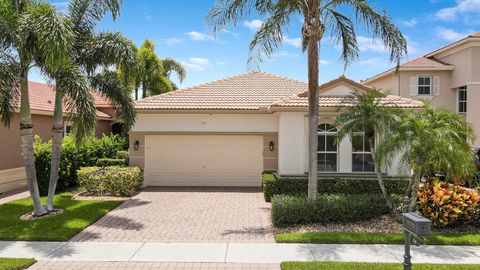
(433, 140)
(370, 116)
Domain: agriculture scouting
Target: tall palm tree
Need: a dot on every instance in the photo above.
(89, 53)
(153, 74)
(32, 34)
(433, 140)
(320, 18)
(370, 117)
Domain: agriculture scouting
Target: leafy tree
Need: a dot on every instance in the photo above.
(433, 140)
(371, 117)
(321, 18)
(32, 34)
(90, 52)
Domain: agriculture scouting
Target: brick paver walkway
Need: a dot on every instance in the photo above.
(14, 195)
(61, 265)
(186, 215)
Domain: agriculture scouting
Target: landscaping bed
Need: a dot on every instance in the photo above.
(15, 264)
(371, 266)
(77, 215)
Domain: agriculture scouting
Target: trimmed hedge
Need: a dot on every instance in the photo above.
(73, 158)
(103, 162)
(112, 180)
(295, 210)
(299, 186)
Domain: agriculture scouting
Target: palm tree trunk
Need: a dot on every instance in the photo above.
(26, 135)
(313, 111)
(415, 189)
(57, 138)
(136, 93)
(379, 178)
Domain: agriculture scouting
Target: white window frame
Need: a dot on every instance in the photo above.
(361, 133)
(431, 77)
(336, 152)
(460, 89)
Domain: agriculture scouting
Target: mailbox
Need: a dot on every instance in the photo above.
(417, 225)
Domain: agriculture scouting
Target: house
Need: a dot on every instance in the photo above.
(42, 97)
(448, 78)
(227, 132)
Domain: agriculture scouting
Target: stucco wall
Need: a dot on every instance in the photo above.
(291, 143)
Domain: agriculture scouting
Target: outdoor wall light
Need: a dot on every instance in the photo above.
(271, 146)
(136, 145)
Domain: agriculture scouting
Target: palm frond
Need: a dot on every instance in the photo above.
(110, 86)
(342, 31)
(9, 91)
(170, 65)
(85, 14)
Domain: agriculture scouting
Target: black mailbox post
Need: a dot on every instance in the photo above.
(416, 226)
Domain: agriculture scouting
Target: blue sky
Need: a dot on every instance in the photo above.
(178, 28)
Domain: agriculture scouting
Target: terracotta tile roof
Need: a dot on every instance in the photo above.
(42, 98)
(298, 101)
(424, 62)
(254, 91)
(475, 35)
(250, 91)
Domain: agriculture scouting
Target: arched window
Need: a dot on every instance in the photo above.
(327, 148)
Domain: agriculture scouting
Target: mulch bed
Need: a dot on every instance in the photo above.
(30, 216)
(382, 224)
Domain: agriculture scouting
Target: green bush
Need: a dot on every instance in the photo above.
(112, 180)
(123, 155)
(290, 210)
(103, 162)
(73, 158)
(299, 186)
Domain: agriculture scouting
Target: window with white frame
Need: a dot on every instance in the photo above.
(362, 160)
(462, 99)
(424, 84)
(327, 148)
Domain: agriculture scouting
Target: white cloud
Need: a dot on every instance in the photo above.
(253, 24)
(229, 33)
(200, 64)
(199, 36)
(295, 42)
(284, 54)
(324, 62)
(450, 34)
(376, 63)
(172, 41)
(410, 23)
(199, 60)
(366, 44)
(461, 7)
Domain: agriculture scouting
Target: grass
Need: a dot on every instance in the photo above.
(77, 216)
(468, 239)
(371, 266)
(15, 264)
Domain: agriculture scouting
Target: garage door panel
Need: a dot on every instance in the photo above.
(204, 160)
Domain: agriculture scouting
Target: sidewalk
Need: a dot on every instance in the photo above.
(263, 253)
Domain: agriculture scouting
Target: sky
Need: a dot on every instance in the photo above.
(179, 31)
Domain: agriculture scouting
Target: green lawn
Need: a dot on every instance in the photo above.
(470, 239)
(77, 216)
(15, 264)
(371, 266)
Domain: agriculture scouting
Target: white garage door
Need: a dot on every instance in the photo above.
(203, 160)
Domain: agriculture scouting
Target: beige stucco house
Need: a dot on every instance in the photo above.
(42, 97)
(448, 77)
(227, 132)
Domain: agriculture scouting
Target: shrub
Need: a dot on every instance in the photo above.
(299, 186)
(123, 155)
(103, 162)
(447, 204)
(290, 210)
(72, 158)
(113, 180)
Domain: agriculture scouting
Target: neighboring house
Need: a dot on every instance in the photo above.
(448, 77)
(227, 132)
(42, 97)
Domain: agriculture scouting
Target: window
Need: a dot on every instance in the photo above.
(424, 85)
(462, 99)
(362, 160)
(67, 129)
(327, 148)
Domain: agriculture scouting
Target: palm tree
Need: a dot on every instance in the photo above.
(320, 18)
(434, 140)
(90, 52)
(153, 75)
(370, 117)
(32, 34)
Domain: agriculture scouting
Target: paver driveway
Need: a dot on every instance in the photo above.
(186, 215)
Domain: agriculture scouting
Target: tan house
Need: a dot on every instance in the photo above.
(448, 77)
(42, 97)
(227, 132)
